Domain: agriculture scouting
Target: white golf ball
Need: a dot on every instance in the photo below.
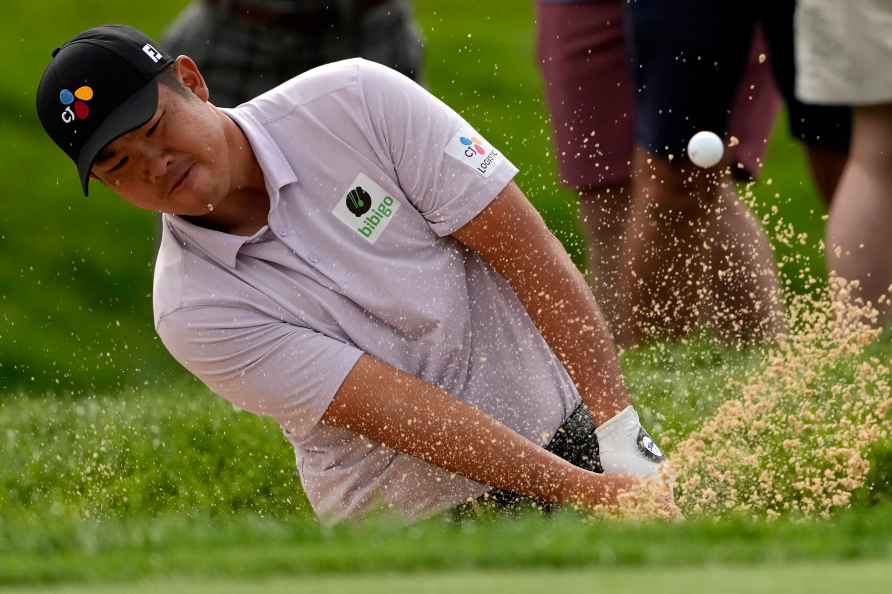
(705, 149)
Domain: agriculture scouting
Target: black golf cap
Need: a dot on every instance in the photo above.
(99, 86)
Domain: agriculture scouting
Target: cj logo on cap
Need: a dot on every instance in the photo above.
(152, 53)
(76, 107)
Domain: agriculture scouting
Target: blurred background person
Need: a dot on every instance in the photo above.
(246, 47)
(843, 51)
(583, 56)
(695, 250)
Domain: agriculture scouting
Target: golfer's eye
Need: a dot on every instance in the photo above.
(155, 127)
(120, 164)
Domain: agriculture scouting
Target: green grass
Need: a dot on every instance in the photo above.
(144, 453)
(75, 273)
(810, 578)
(177, 482)
(253, 547)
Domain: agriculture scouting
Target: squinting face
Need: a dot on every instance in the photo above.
(177, 162)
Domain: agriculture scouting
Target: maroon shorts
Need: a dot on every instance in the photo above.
(588, 87)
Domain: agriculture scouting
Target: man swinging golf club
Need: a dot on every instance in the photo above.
(347, 255)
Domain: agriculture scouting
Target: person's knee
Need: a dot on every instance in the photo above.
(676, 185)
(609, 203)
(872, 138)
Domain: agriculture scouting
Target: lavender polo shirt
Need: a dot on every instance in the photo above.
(368, 175)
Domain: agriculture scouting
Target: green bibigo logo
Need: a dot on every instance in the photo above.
(380, 214)
(366, 208)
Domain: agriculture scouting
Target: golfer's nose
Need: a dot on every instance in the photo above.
(157, 165)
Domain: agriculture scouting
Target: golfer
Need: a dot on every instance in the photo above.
(347, 255)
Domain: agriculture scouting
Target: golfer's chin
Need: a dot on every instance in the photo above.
(196, 209)
(199, 201)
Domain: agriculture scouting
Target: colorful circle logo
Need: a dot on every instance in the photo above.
(79, 98)
(473, 143)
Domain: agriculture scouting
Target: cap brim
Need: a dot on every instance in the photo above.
(130, 115)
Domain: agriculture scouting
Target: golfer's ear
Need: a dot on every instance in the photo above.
(191, 77)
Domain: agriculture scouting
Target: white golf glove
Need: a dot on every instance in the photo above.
(626, 448)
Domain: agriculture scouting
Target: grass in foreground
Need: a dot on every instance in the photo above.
(810, 578)
(251, 547)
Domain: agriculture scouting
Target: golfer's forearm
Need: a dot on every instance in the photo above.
(564, 310)
(511, 235)
(415, 417)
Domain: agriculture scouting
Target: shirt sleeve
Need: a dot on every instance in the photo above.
(260, 364)
(447, 170)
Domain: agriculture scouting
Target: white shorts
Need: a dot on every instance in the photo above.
(844, 51)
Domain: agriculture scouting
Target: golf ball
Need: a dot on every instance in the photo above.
(705, 149)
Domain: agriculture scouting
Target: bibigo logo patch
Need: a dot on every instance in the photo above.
(471, 149)
(366, 208)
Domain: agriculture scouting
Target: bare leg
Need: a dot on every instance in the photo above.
(745, 301)
(695, 252)
(603, 214)
(858, 231)
(826, 167)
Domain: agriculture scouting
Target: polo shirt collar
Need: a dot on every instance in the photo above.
(277, 170)
(277, 173)
(218, 246)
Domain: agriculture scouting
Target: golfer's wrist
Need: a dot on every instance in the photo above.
(591, 490)
(580, 487)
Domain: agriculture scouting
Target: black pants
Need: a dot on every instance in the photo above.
(575, 441)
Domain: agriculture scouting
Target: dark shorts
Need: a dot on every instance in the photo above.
(575, 441)
(588, 85)
(688, 57)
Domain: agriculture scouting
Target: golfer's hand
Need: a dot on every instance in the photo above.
(624, 496)
(624, 447)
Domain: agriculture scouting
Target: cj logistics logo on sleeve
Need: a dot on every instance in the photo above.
(470, 148)
(366, 208)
